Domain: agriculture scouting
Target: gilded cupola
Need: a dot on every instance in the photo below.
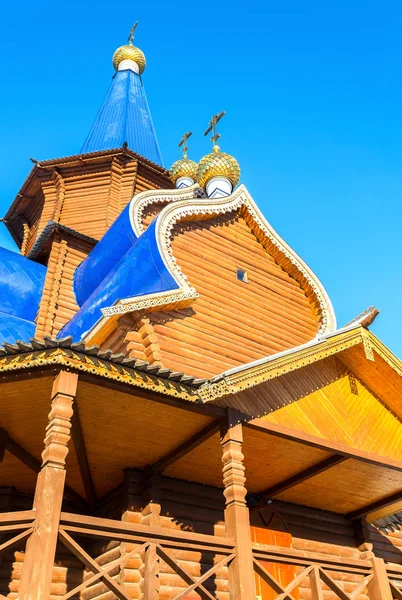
(129, 56)
(183, 172)
(218, 172)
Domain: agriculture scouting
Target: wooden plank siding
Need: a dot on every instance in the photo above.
(58, 304)
(232, 322)
(340, 409)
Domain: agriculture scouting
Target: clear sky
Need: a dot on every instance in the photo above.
(313, 95)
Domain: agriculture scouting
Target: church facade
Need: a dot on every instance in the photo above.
(181, 416)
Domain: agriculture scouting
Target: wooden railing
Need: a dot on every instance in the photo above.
(154, 542)
(21, 523)
(319, 568)
(395, 579)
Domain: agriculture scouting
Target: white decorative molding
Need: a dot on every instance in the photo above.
(183, 206)
(139, 203)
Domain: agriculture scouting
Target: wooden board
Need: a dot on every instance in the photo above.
(346, 487)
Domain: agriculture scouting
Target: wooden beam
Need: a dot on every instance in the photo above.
(82, 457)
(193, 442)
(35, 465)
(23, 455)
(302, 476)
(313, 441)
(377, 505)
(3, 443)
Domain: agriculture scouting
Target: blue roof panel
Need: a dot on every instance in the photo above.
(14, 328)
(139, 272)
(21, 284)
(106, 254)
(125, 117)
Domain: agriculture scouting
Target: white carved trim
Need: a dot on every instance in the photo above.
(143, 199)
(205, 208)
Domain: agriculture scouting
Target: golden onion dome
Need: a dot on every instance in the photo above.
(184, 167)
(218, 164)
(130, 52)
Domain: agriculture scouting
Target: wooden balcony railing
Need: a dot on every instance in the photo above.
(395, 579)
(319, 568)
(10, 523)
(152, 541)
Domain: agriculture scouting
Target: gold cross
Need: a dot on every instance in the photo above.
(184, 144)
(212, 127)
(131, 36)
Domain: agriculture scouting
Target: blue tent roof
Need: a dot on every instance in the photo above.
(21, 284)
(125, 117)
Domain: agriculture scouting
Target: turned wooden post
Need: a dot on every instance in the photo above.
(40, 552)
(152, 517)
(379, 588)
(237, 518)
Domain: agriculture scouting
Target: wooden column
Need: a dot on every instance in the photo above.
(379, 588)
(237, 519)
(41, 547)
(152, 517)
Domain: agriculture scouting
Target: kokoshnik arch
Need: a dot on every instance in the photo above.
(180, 416)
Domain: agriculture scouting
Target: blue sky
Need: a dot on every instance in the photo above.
(313, 95)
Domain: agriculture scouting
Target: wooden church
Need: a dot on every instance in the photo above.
(180, 416)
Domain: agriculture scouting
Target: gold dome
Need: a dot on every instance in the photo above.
(183, 168)
(130, 52)
(218, 164)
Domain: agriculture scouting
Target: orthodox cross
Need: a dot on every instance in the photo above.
(184, 143)
(212, 127)
(131, 36)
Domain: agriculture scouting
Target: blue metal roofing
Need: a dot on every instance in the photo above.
(125, 117)
(21, 285)
(140, 271)
(106, 254)
(14, 328)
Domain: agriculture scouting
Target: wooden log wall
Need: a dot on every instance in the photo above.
(386, 545)
(58, 304)
(232, 322)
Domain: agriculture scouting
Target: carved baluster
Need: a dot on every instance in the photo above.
(41, 547)
(237, 519)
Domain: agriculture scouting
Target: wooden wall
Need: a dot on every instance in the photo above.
(86, 195)
(58, 304)
(232, 322)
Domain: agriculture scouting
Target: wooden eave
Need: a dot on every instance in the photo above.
(49, 353)
(357, 347)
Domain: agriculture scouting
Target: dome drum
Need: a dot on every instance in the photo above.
(218, 187)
